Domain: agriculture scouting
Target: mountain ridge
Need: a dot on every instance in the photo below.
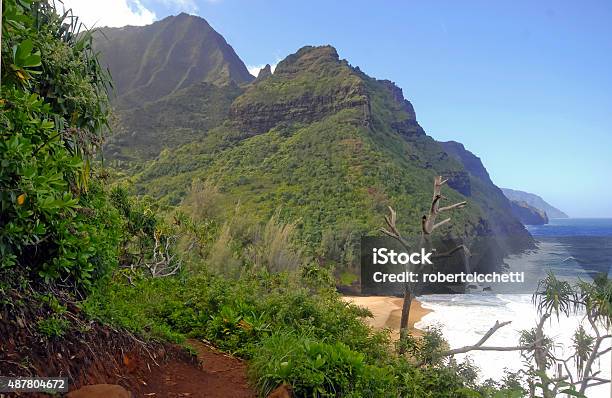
(527, 214)
(534, 200)
(332, 148)
(168, 55)
(178, 65)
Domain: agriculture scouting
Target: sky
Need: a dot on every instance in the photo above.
(525, 85)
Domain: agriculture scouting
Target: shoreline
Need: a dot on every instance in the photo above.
(387, 312)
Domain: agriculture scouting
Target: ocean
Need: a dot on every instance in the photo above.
(574, 249)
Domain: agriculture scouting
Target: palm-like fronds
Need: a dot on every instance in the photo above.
(555, 296)
(583, 346)
(597, 298)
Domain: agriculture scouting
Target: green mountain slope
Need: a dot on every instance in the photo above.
(149, 62)
(174, 80)
(528, 215)
(498, 209)
(330, 148)
(173, 120)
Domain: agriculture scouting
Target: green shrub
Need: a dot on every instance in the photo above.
(316, 369)
(55, 220)
(53, 327)
(307, 337)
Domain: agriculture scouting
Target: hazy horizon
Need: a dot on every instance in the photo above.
(524, 85)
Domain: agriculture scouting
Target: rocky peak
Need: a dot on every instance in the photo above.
(306, 87)
(471, 162)
(264, 72)
(308, 58)
(153, 61)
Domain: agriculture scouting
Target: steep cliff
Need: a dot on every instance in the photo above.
(534, 200)
(150, 62)
(528, 215)
(296, 93)
(174, 80)
(503, 223)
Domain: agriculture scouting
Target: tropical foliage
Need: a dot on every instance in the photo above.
(56, 223)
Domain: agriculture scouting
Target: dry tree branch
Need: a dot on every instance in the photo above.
(480, 347)
(428, 222)
(594, 353)
(428, 225)
(164, 262)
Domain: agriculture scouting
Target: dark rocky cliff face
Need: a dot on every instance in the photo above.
(528, 215)
(258, 118)
(471, 162)
(502, 221)
(264, 72)
(304, 99)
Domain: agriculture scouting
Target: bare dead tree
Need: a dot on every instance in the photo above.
(164, 261)
(593, 355)
(428, 222)
(428, 226)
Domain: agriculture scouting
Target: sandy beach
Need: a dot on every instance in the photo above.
(387, 311)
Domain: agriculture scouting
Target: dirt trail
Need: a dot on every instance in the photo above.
(217, 375)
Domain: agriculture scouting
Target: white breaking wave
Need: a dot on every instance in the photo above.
(464, 318)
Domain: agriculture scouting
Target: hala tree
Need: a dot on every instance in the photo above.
(550, 374)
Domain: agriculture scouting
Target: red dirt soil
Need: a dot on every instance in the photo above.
(218, 375)
(93, 353)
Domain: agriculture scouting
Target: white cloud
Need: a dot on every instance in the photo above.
(115, 13)
(254, 69)
(189, 6)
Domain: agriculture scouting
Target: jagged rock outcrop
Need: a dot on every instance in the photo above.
(471, 162)
(527, 214)
(407, 127)
(260, 117)
(264, 72)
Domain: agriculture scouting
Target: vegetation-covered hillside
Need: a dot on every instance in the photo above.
(101, 286)
(329, 148)
(175, 119)
(173, 80)
(159, 59)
